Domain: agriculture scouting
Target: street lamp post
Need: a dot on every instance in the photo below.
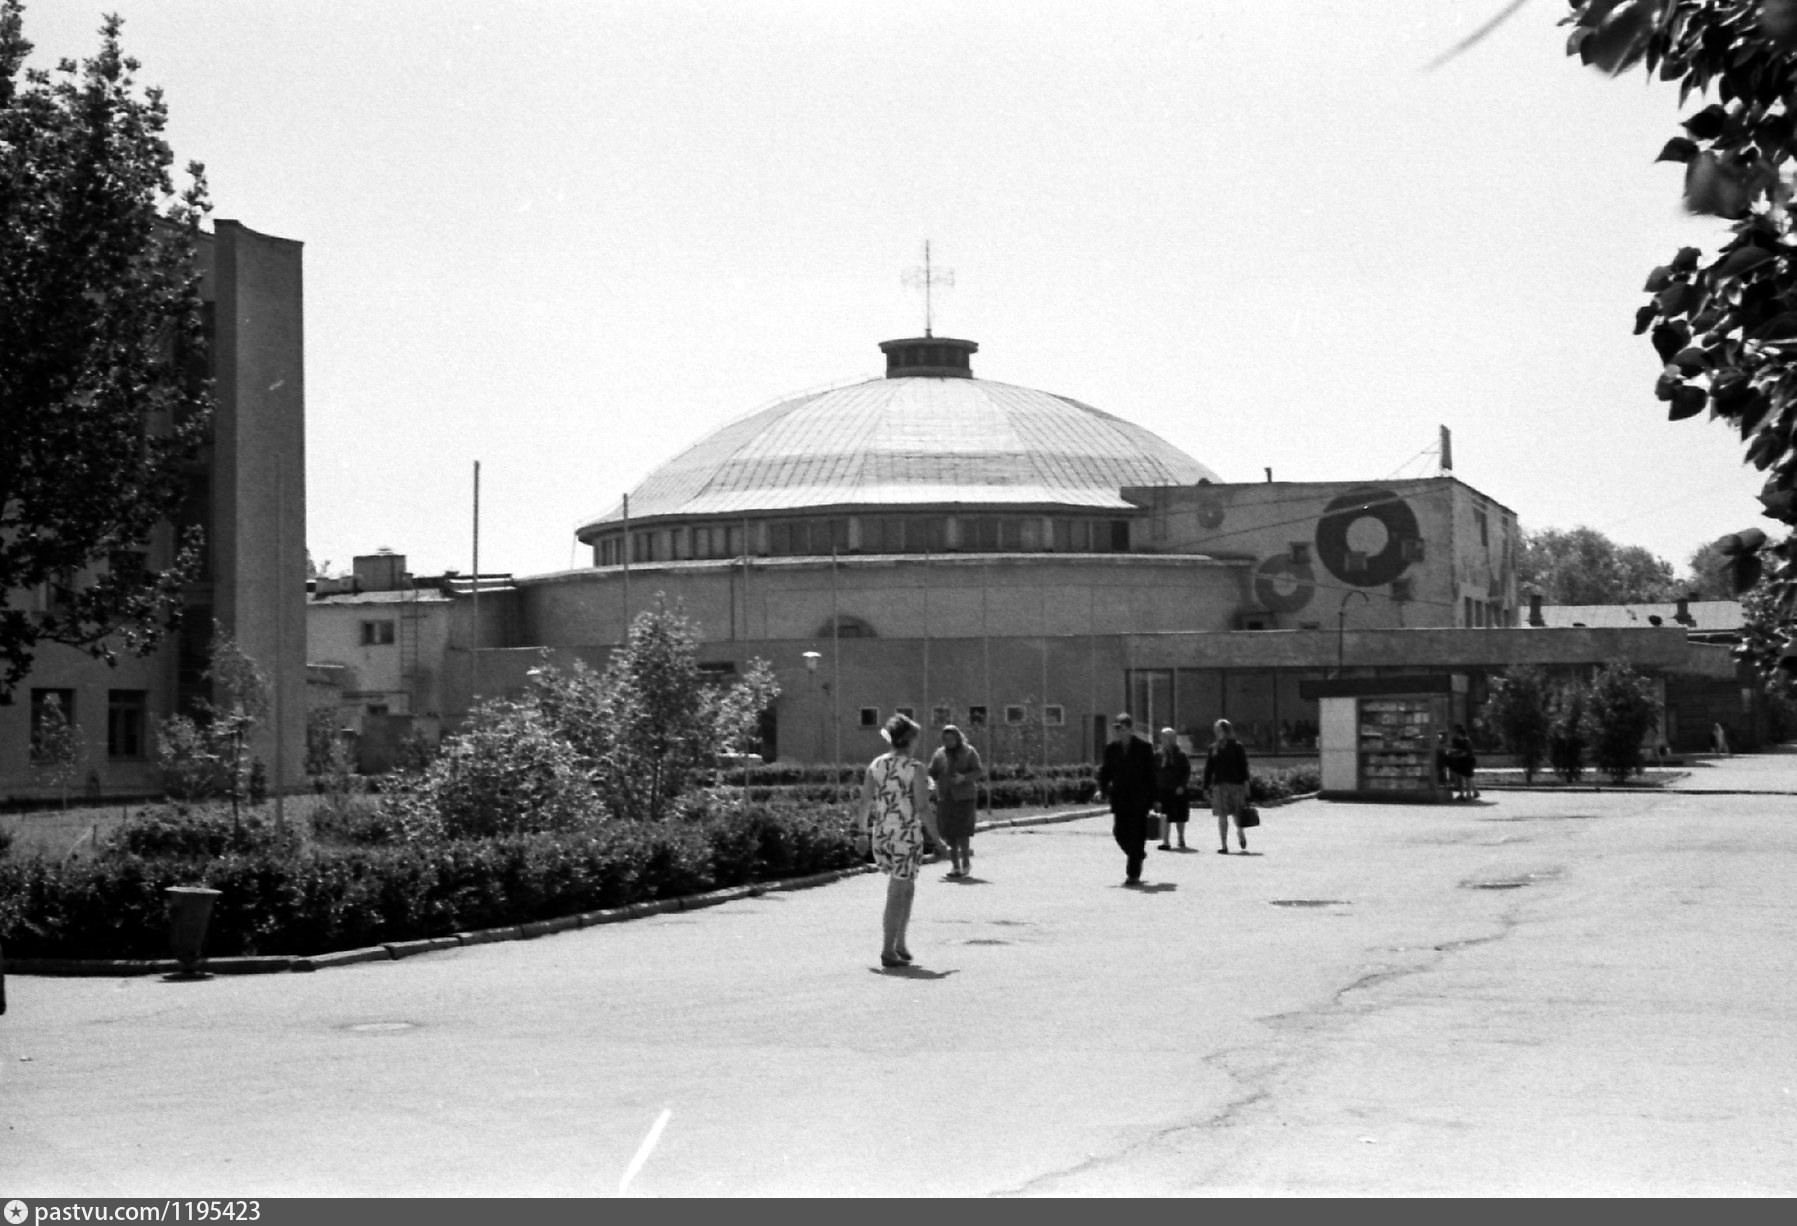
(1341, 626)
(812, 658)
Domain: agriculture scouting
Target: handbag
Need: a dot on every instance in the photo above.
(1249, 816)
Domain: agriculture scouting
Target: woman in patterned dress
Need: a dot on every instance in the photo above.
(897, 820)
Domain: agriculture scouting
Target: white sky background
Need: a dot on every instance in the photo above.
(569, 239)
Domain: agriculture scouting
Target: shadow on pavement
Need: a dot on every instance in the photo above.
(1152, 887)
(909, 972)
(966, 880)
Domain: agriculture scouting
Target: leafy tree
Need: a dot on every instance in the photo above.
(651, 724)
(1707, 575)
(1567, 732)
(204, 756)
(100, 409)
(1621, 709)
(56, 748)
(1584, 566)
(1520, 708)
(1766, 637)
(1725, 329)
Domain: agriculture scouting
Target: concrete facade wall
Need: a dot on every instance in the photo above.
(404, 676)
(1297, 538)
(254, 471)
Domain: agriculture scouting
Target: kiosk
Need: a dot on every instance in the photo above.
(1378, 736)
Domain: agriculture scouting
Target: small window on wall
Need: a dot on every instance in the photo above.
(1054, 716)
(1300, 553)
(1015, 714)
(976, 717)
(1484, 524)
(1119, 536)
(377, 634)
(1400, 590)
(909, 713)
(870, 717)
(127, 714)
(941, 716)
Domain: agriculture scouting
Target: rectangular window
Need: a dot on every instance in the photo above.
(779, 538)
(870, 717)
(52, 725)
(830, 536)
(976, 717)
(375, 708)
(1015, 714)
(1484, 524)
(733, 542)
(127, 715)
(1119, 536)
(909, 713)
(1054, 716)
(927, 535)
(377, 634)
(1072, 536)
(941, 716)
(1300, 553)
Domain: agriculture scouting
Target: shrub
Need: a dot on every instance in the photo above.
(508, 773)
(1621, 709)
(291, 901)
(1520, 707)
(176, 832)
(5, 842)
(353, 820)
(1566, 733)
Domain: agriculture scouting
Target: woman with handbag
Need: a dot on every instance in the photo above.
(1226, 779)
(1172, 780)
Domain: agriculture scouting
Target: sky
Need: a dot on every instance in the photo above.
(568, 239)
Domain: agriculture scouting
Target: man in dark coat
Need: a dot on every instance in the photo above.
(1126, 777)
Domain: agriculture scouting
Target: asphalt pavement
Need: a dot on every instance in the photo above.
(1534, 993)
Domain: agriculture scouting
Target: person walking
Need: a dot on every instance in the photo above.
(956, 769)
(1172, 779)
(1226, 779)
(1126, 778)
(1461, 764)
(896, 821)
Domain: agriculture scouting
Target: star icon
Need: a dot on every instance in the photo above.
(16, 1212)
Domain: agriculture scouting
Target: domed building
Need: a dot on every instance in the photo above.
(1010, 560)
(928, 460)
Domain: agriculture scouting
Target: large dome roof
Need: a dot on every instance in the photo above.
(913, 440)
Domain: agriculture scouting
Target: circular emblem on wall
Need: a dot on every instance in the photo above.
(1370, 522)
(1282, 585)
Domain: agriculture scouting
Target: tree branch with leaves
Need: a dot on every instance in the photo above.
(101, 343)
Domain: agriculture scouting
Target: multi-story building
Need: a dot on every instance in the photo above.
(248, 491)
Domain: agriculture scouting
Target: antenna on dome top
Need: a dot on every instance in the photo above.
(927, 279)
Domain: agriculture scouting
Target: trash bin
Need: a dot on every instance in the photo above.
(189, 910)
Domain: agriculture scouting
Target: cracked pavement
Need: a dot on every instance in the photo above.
(1583, 993)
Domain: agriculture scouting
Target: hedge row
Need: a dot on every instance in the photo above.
(323, 899)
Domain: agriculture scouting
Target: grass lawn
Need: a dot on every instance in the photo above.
(61, 832)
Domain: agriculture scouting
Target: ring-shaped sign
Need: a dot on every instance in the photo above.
(1282, 585)
(1340, 516)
